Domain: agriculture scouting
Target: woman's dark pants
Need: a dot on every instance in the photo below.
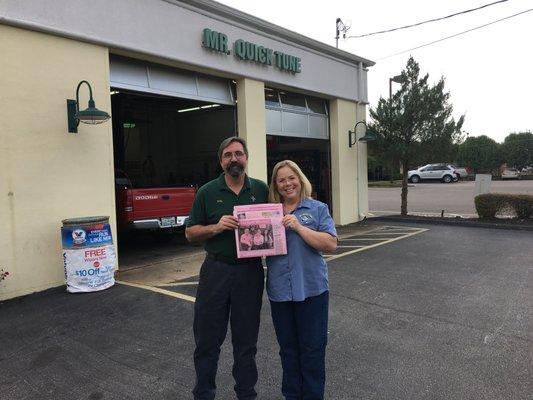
(302, 329)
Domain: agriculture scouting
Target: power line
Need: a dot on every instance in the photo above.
(425, 22)
(452, 36)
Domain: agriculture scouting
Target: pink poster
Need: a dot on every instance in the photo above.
(260, 232)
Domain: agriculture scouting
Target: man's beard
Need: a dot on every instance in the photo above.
(235, 169)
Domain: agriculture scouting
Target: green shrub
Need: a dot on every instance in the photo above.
(522, 205)
(490, 204)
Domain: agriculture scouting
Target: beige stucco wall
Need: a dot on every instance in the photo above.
(348, 164)
(46, 173)
(252, 124)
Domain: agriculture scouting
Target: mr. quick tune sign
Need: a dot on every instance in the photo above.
(88, 254)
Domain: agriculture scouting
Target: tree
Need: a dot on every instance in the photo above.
(417, 117)
(382, 157)
(481, 153)
(441, 149)
(517, 149)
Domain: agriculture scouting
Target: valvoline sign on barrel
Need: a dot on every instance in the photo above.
(88, 254)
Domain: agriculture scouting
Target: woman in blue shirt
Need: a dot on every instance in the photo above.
(297, 283)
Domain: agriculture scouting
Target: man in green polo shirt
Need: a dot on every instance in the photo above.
(230, 289)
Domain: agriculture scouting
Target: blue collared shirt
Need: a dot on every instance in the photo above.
(302, 272)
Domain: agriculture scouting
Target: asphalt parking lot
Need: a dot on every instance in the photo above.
(440, 314)
(432, 198)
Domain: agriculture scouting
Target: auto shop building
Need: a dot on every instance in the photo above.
(176, 77)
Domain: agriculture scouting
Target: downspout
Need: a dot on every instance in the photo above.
(360, 86)
(358, 153)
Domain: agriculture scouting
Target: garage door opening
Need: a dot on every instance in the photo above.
(164, 141)
(164, 149)
(311, 155)
(298, 130)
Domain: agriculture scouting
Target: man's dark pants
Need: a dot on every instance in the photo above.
(227, 292)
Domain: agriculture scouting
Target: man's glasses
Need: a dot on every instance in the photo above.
(229, 155)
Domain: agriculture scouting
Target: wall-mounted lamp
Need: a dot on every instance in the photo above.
(91, 115)
(352, 135)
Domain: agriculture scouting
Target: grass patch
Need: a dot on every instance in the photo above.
(384, 184)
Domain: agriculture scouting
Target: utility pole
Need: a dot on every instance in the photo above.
(340, 26)
(337, 32)
(397, 79)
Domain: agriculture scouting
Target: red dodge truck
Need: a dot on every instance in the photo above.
(151, 208)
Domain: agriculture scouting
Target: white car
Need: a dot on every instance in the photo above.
(459, 171)
(510, 173)
(441, 172)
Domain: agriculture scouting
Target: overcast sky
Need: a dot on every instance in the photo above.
(489, 71)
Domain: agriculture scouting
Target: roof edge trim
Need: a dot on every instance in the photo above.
(271, 29)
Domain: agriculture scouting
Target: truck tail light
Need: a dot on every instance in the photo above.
(128, 206)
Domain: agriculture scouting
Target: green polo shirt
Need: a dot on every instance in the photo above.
(215, 199)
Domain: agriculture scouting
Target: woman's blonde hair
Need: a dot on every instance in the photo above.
(273, 194)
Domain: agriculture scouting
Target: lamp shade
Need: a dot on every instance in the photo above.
(92, 115)
(398, 79)
(367, 138)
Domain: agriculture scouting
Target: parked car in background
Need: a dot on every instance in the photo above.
(461, 172)
(510, 173)
(527, 173)
(441, 172)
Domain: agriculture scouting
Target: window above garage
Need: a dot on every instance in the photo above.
(141, 76)
(282, 99)
(296, 115)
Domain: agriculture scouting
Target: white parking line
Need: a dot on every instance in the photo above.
(178, 284)
(370, 246)
(159, 290)
(366, 239)
(381, 233)
(396, 227)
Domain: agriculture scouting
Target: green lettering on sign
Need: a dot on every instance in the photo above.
(240, 49)
(252, 52)
(269, 54)
(292, 63)
(279, 57)
(285, 61)
(262, 54)
(215, 41)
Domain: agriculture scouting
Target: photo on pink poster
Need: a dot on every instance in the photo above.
(260, 231)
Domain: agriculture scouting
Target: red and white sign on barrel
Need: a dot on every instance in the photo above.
(88, 254)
